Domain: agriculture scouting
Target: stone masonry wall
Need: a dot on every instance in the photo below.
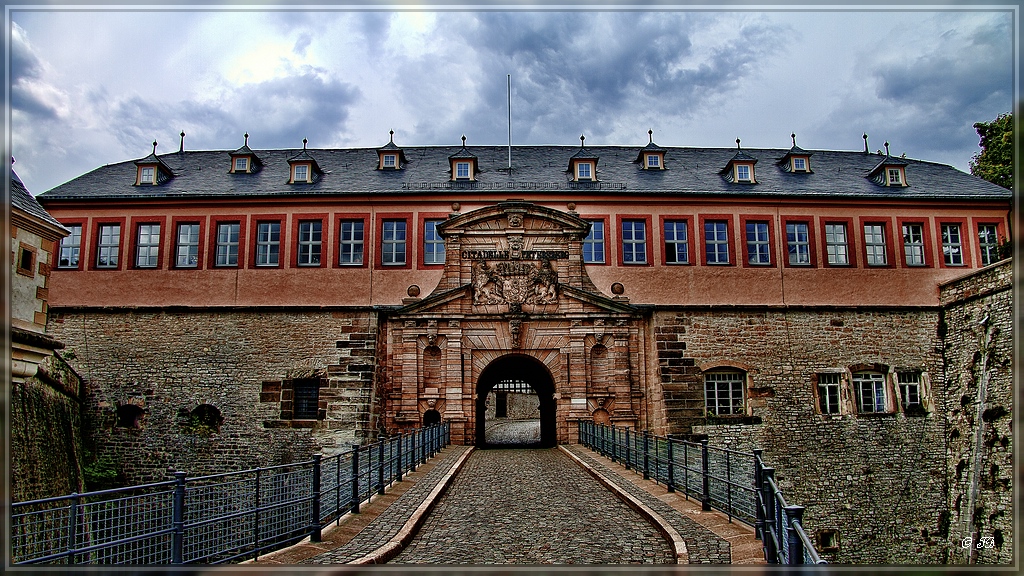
(978, 326)
(877, 479)
(45, 433)
(148, 374)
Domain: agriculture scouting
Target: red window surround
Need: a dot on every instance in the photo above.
(648, 233)
(811, 241)
(326, 242)
(95, 241)
(133, 240)
(212, 239)
(419, 232)
(968, 239)
(773, 240)
(379, 237)
(282, 250)
(368, 251)
(973, 231)
(890, 252)
(691, 239)
(852, 241)
(730, 231)
(84, 250)
(607, 244)
(175, 221)
(901, 252)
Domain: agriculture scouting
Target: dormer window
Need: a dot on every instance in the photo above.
(652, 156)
(146, 175)
(463, 163)
(389, 156)
(151, 171)
(799, 164)
(653, 161)
(584, 171)
(890, 171)
(241, 164)
(796, 160)
(300, 173)
(743, 173)
(462, 170)
(389, 161)
(582, 165)
(244, 160)
(304, 168)
(895, 179)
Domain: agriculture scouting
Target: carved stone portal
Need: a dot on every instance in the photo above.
(514, 282)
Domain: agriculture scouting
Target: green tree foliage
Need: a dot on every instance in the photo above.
(995, 161)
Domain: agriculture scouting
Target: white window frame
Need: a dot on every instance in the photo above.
(227, 243)
(874, 245)
(952, 244)
(584, 171)
(393, 243)
(634, 242)
(186, 252)
(268, 243)
(798, 243)
(799, 164)
(108, 245)
(241, 164)
(873, 382)
(351, 242)
(653, 161)
(913, 244)
(677, 242)
(744, 173)
(894, 176)
(593, 244)
(433, 244)
(462, 171)
(389, 161)
(725, 393)
(302, 169)
(988, 242)
(71, 247)
(147, 245)
(910, 386)
(147, 175)
(759, 248)
(310, 242)
(830, 386)
(716, 248)
(836, 245)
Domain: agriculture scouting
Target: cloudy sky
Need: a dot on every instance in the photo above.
(90, 87)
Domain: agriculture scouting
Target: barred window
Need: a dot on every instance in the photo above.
(828, 393)
(723, 393)
(306, 398)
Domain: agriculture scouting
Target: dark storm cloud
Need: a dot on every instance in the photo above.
(29, 94)
(587, 71)
(277, 113)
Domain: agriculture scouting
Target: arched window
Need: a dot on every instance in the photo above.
(431, 417)
(129, 416)
(206, 417)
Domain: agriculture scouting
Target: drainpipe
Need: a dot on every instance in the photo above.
(986, 341)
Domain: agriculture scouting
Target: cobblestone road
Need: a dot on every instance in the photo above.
(520, 506)
(512, 431)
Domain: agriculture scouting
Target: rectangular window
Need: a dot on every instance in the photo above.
(70, 247)
(583, 171)
(392, 249)
(799, 164)
(894, 176)
(241, 164)
(723, 393)
(828, 393)
(227, 244)
(913, 244)
(389, 160)
(301, 173)
(988, 241)
(869, 389)
(350, 249)
(835, 244)
(146, 175)
(433, 244)
(874, 244)
(677, 244)
(147, 246)
(743, 172)
(653, 161)
(306, 398)
(798, 242)
(758, 244)
(310, 240)
(634, 242)
(188, 246)
(268, 243)
(462, 170)
(910, 388)
(107, 248)
(716, 242)
(952, 248)
(593, 244)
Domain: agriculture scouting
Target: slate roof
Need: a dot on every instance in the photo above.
(22, 200)
(688, 172)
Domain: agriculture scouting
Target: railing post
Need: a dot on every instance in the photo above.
(380, 464)
(413, 458)
(728, 484)
(758, 491)
(671, 484)
(647, 460)
(398, 457)
(627, 450)
(256, 518)
(615, 443)
(73, 528)
(796, 546)
(705, 469)
(770, 542)
(178, 518)
(355, 479)
(314, 526)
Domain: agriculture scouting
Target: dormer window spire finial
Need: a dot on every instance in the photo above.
(246, 136)
(866, 149)
(737, 143)
(886, 147)
(154, 146)
(650, 136)
(463, 140)
(392, 133)
(181, 147)
(304, 143)
(793, 136)
(582, 138)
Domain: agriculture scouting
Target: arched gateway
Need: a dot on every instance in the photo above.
(514, 303)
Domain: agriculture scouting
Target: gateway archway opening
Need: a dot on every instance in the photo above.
(515, 404)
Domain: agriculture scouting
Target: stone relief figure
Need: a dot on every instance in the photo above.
(486, 284)
(545, 282)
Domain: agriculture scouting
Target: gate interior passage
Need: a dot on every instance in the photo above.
(509, 374)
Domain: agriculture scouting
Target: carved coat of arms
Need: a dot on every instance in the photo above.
(514, 282)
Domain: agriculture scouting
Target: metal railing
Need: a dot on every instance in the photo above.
(737, 483)
(219, 518)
